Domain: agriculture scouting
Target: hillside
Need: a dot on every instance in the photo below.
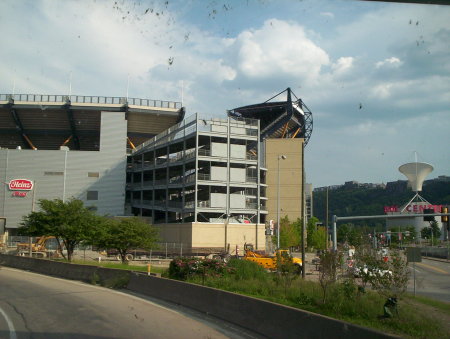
(371, 201)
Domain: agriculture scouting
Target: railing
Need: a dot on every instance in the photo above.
(159, 203)
(189, 179)
(251, 179)
(247, 191)
(204, 176)
(175, 204)
(194, 123)
(189, 204)
(247, 121)
(147, 183)
(205, 203)
(84, 99)
(204, 152)
(160, 182)
(251, 132)
(251, 157)
(177, 180)
(178, 130)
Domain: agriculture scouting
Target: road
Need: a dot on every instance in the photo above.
(432, 279)
(37, 306)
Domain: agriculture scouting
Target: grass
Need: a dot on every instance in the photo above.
(343, 302)
(442, 306)
(119, 265)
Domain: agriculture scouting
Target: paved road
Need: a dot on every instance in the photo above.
(432, 279)
(36, 306)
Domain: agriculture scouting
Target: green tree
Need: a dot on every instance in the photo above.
(348, 233)
(69, 222)
(311, 228)
(431, 232)
(289, 233)
(319, 238)
(389, 278)
(287, 271)
(330, 261)
(124, 235)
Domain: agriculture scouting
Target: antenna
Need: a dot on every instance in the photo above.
(182, 92)
(128, 84)
(416, 172)
(70, 84)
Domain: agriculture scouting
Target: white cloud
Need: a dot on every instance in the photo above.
(327, 15)
(391, 62)
(279, 47)
(342, 65)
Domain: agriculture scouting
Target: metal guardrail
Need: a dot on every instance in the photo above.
(85, 99)
(436, 252)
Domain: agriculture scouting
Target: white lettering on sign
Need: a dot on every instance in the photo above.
(414, 208)
(20, 185)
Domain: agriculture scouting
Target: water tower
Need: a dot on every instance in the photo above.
(416, 172)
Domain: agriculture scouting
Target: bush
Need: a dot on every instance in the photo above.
(245, 270)
(184, 268)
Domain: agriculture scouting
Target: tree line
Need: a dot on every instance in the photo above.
(371, 201)
(291, 233)
(72, 224)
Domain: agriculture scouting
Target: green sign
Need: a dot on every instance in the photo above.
(413, 254)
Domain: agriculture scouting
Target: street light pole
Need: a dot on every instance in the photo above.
(280, 157)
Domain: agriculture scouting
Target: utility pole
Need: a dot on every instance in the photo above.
(303, 211)
(280, 157)
(326, 240)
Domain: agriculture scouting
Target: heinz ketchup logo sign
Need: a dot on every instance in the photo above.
(20, 185)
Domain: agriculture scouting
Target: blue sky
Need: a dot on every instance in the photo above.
(375, 75)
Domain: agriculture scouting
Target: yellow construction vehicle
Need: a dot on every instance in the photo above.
(270, 262)
(38, 248)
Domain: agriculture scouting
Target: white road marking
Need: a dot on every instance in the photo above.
(12, 331)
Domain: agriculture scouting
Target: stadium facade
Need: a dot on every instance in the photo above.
(62, 147)
(207, 184)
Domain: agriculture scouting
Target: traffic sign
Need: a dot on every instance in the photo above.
(413, 254)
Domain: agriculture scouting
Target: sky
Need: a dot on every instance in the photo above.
(375, 75)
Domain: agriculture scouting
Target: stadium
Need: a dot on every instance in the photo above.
(72, 146)
(207, 184)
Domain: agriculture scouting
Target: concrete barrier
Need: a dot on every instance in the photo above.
(269, 319)
(266, 318)
(86, 273)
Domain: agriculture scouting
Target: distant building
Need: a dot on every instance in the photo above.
(309, 201)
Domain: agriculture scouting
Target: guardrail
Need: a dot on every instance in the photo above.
(436, 252)
(86, 99)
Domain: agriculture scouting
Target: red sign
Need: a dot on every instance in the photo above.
(413, 208)
(20, 185)
(19, 194)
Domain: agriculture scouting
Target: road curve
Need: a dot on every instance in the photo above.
(36, 306)
(432, 279)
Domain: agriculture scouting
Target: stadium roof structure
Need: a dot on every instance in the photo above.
(34, 121)
(290, 118)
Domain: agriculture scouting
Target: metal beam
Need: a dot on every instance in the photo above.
(20, 128)
(73, 128)
(382, 216)
(284, 130)
(424, 2)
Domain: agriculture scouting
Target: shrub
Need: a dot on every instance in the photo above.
(245, 270)
(184, 268)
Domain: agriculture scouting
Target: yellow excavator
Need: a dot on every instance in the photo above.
(270, 262)
(38, 248)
